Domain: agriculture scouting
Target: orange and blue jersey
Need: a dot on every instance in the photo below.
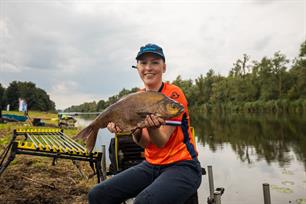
(181, 145)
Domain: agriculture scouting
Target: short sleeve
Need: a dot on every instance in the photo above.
(178, 95)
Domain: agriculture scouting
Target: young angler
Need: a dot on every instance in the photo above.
(171, 172)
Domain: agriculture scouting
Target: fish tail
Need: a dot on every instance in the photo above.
(90, 135)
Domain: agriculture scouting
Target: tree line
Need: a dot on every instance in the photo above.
(272, 84)
(102, 104)
(36, 98)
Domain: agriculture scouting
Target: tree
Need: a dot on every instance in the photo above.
(2, 102)
(220, 91)
(279, 62)
(101, 105)
(187, 88)
(204, 85)
(266, 79)
(12, 95)
(298, 73)
(241, 68)
(36, 98)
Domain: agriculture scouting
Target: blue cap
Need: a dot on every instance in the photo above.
(151, 48)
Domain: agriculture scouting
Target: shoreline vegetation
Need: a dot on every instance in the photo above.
(271, 106)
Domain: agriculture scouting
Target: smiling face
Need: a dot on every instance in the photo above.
(151, 68)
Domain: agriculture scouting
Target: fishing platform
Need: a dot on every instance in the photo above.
(48, 142)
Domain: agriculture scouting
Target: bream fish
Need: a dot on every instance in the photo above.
(129, 113)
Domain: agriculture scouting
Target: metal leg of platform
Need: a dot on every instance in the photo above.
(99, 169)
(103, 163)
(10, 158)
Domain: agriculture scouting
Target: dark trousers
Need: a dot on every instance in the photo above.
(149, 183)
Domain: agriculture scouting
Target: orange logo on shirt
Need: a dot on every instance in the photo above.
(174, 95)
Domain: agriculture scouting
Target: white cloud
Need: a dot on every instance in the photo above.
(86, 48)
(67, 93)
(64, 87)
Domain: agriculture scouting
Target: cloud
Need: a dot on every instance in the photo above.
(80, 51)
(66, 93)
(262, 43)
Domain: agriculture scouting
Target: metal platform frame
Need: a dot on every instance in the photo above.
(46, 142)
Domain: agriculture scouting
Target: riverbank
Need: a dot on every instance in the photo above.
(30, 179)
(269, 107)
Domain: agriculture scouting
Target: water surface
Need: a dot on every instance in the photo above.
(247, 151)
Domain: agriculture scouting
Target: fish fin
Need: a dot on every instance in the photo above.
(91, 141)
(90, 135)
(84, 133)
(143, 114)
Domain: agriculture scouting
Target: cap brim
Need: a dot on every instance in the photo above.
(157, 53)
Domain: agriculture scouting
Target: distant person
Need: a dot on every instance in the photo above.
(171, 172)
(23, 106)
(20, 107)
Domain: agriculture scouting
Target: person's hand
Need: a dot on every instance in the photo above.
(152, 121)
(113, 128)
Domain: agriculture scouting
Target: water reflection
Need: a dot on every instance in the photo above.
(255, 137)
(269, 149)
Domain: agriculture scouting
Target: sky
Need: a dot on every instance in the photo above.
(82, 50)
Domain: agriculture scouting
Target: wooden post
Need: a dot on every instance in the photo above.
(103, 161)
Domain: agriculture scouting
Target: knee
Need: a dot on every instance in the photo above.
(95, 195)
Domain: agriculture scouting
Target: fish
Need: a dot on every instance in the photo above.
(129, 114)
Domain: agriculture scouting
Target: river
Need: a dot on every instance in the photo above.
(246, 151)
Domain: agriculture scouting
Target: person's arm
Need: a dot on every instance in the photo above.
(151, 130)
(158, 134)
(139, 138)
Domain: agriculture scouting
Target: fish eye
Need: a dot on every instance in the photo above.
(173, 105)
